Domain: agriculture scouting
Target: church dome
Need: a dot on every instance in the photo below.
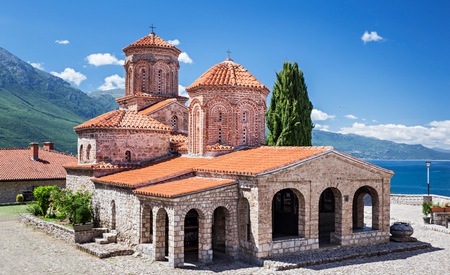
(225, 74)
(151, 41)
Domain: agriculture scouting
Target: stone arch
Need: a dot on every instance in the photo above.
(141, 76)
(161, 78)
(244, 221)
(174, 122)
(161, 235)
(194, 223)
(330, 216)
(247, 123)
(129, 84)
(288, 213)
(363, 197)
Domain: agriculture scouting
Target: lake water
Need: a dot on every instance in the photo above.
(411, 176)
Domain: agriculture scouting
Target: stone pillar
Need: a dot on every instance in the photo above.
(205, 252)
(159, 235)
(146, 223)
(176, 239)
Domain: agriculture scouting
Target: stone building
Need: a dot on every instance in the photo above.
(22, 170)
(217, 190)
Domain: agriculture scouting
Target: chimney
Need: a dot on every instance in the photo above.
(34, 150)
(48, 146)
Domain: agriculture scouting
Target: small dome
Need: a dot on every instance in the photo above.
(151, 40)
(227, 73)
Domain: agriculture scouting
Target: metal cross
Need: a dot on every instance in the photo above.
(151, 27)
(228, 52)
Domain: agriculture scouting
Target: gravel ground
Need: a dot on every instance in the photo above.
(25, 250)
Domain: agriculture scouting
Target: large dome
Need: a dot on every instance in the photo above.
(225, 74)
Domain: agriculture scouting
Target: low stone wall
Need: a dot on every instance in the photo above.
(61, 232)
(365, 238)
(290, 246)
(417, 199)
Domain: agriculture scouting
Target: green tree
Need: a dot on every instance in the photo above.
(289, 114)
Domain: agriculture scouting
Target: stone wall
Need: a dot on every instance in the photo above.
(111, 146)
(174, 115)
(79, 179)
(417, 199)
(10, 189)
(118, 207)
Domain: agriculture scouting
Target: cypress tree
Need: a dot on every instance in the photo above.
(289, 114)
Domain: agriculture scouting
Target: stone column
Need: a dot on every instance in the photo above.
(205, 252)
(176, 239)
(159, 235)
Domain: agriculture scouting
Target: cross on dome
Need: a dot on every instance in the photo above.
(152, 27)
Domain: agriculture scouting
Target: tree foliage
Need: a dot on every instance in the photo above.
(289, 114)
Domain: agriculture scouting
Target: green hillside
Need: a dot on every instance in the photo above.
(372, 148)
(36, 106)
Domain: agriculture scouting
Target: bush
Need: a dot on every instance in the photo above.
(77, 207)
(34, 209)
(42, 195)
(19, 198)
(426, 208)
(83, 214)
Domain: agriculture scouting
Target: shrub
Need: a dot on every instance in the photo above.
(42, 195)
(19, 198)
(83, 214)
(77, 207)
(426, 208)
(34, 209)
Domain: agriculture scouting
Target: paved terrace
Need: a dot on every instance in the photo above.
(25, 250)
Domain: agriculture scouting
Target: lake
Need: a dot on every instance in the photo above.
(411, 176)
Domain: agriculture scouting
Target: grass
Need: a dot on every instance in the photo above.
(12, 210)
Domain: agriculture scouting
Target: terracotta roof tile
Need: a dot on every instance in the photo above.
(182, 187)
(244, 162)
(151, 40)
(227, 73)
(157, 172)
(157, 106)
(259, 160)
(16, 164)
(100, 165)
(123, 119)
(219, 147)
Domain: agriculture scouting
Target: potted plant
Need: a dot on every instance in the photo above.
(426, 211)
(436, 207)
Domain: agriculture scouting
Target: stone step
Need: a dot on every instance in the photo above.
(101, 241)
(111, 237)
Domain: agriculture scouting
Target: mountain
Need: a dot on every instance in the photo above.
(107, 98)
(36, 106)
(372, 148)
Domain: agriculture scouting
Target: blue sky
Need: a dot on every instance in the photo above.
(374, 68)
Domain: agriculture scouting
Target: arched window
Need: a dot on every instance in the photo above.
(159, 81)
(88, 152)
(80, 154)
(144, 77)
(174, 123)
(128, 156)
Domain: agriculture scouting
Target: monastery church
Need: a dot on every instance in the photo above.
(194, 181)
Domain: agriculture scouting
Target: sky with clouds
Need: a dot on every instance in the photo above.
(374, 68)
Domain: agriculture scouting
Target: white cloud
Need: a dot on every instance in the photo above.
(70, 75)
(37, 65)
(184, 57)
(174, 42)
(100, 59)
(349, 116)
(370, 37)
(113, 82)
(434, 135)
(182, 91)
(62, 42)
(319, 115)
(321, 127)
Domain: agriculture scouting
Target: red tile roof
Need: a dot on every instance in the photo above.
(227, 73)
(245, 162)
(262, 159)
(157, 106)
(16, 164)
(183, 187)
(151, 40)
(123, 119)
(160, 171)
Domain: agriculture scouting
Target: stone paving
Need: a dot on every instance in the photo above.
(25, 250)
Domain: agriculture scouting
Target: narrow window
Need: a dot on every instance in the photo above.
(244, 117)
(220, 117)
(128, 156)
(244, 136)
(81, 153)
(220, 135)
(159, 81)
(144, 76)
(174, 123)
(88, 152)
